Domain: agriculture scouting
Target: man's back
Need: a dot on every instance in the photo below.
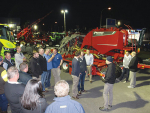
(24, 77)
(13, 93)
(65, 105)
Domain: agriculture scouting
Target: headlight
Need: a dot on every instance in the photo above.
(6, 48)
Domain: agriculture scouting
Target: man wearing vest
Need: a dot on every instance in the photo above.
(8, 63)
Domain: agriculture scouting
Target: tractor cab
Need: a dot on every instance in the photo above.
(5, 44)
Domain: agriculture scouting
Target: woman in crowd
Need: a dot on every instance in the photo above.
(32, 99)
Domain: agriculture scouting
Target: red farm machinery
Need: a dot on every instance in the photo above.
(27, 35)
(101, 43)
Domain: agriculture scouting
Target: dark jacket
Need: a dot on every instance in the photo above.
(75, 67)
(13, 93)
(9, 64)
(24, 77)
(35, 67)
(133, 64)
(82, 64)
(41, 104)
(110, 76)
(2, 82)
(43, 63)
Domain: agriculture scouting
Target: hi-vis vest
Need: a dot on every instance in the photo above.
(4, 75)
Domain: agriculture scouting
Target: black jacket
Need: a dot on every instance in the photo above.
(43, 63)
(110, 76)
(35, 67)
(9, 64)
(24, 77)
(13, 93)
(75, 67)
(133, 64)
(82, 64)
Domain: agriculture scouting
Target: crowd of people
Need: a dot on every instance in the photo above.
(22, 84)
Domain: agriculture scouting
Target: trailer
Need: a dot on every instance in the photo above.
(101, 43)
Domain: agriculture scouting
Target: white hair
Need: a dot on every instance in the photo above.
(61, 88)
(11, 72)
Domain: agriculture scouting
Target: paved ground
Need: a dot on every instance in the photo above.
(125, 100)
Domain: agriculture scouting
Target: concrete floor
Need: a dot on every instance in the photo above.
(125, 100)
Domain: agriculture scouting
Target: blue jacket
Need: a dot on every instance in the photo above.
(75, 67)
(65, 105)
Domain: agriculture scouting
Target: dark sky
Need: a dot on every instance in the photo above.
(80, 12)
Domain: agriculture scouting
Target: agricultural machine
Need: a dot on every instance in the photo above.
(101, 43)
(27, 35)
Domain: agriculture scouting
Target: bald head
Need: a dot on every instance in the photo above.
(41, 51)
(47, 51)
(133, 53)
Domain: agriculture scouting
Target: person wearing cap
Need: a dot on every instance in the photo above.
(109, 81)
(75, 75)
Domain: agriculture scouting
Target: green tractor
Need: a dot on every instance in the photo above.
(5, 44)
(55, 38)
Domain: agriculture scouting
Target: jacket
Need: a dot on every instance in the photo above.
(110, 76)
(126, 61)
(65, 105)
(9, 63)
(82, 64)
(75, 67)
(2, 82)
(35, 67)
(42, 62)
(133, 64)
(24, 77)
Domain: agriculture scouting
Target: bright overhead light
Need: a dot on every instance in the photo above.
(109, 8)
(62, 11)
(35, 27)
(66, 11)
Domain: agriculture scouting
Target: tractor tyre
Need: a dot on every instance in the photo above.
(50, 43)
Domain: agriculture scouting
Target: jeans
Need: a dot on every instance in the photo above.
(81, 82)
(125, 70)
(3, 102)
(43, 79)
(48, 84)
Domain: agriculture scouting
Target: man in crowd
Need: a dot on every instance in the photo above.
(24, 77)
(29, 49)
(43, 65)
(13, 90)
(19, 57)
(83, 69)
(75, 75)
(133, 69)
(49, 67)
(89, 62)
(63, 102)
(109, 81)
(35, 66)
(126, 61)
(57, 61)
(3, 79)
(8, 63)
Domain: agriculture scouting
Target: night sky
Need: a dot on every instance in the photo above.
(84, 13)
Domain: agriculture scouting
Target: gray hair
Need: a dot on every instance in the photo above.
(11, 72)
(61, 88)
(22, 66)
(40, 49)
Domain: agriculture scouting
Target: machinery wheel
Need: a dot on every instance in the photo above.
(50, 43)
(43, 46)
(65, 66)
